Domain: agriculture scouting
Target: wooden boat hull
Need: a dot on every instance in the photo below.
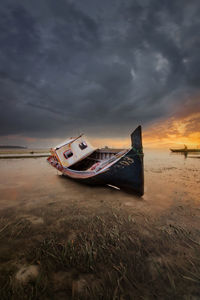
(126, 171)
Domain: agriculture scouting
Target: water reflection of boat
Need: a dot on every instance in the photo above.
(194, 156)
(77, 159)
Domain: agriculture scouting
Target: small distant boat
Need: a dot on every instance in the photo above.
(185, 150)
(76, 158)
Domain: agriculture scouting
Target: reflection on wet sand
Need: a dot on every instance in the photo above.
(61, 239)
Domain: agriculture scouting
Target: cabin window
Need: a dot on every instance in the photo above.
(67, 154)
(82, 145)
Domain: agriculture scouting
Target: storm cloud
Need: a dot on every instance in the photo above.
(96, 66)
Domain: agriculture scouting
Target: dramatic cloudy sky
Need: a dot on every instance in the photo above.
(99, 67)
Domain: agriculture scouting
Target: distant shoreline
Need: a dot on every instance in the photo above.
(23, 156)
(12, 147)
(23, 151)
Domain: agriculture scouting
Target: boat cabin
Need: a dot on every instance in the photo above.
(73, 150)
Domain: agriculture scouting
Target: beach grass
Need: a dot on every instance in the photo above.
(76, 254)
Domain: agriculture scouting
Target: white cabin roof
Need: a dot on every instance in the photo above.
(68, 141)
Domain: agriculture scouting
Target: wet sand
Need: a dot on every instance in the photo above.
(170, 180)
(63, 240)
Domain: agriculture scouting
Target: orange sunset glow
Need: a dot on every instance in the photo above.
(182, 128)
(173, 133)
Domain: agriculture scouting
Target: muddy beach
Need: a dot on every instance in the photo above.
(63, 240)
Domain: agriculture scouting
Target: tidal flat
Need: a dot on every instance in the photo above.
(63, 240)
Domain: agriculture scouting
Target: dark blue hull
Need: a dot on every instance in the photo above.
(126, 171)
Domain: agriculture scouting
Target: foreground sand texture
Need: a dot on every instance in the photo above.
(62, 240)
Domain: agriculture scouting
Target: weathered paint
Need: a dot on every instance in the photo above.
(78, 154)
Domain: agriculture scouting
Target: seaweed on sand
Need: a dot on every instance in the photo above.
(110, 256)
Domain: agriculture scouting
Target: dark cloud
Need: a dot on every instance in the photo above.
(99, 67)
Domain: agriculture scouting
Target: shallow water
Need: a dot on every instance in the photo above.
(170, 179)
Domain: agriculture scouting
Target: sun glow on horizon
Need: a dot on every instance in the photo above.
(175, 131)
(111, 142)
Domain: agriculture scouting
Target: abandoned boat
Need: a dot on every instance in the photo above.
(78, 159)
